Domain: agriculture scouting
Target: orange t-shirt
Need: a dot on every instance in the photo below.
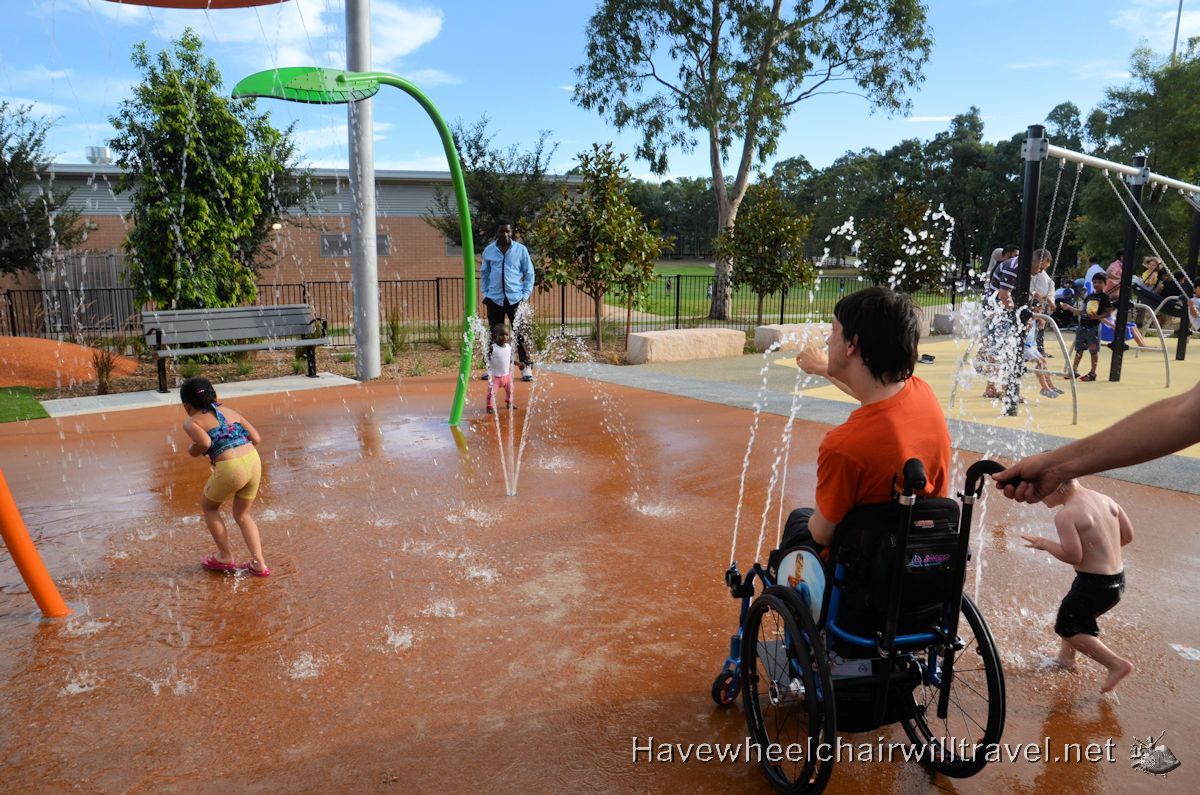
(858, 459)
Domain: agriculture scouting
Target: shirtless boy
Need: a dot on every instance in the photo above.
(1091, 531)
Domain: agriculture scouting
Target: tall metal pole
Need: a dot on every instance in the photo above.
(364, 268)
(1131, 239)
(1185, 317)
(1034, 152)
(1178, 17)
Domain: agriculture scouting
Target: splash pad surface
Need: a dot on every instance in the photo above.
(422, 630)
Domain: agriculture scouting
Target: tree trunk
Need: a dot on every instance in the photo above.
(761, 297)
(628, 319)
(722, 293)
(599, 300)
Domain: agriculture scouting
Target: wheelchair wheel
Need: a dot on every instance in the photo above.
(958, 744)
(725, 689)
(788, 692)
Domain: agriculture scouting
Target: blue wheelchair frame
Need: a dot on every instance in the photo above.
(888, 643)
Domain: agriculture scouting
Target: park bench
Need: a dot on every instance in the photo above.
(192, 332)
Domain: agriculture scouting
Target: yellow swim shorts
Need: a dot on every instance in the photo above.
(239, 476)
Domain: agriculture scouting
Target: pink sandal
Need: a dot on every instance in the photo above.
(212, 564)
(248, 566)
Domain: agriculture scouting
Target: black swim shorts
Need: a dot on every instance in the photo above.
(1091, 596)
(1088, 339)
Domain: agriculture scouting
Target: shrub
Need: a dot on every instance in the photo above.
(447, 339)
(417, 368)
(299, 365)
(386, 353)
(398, 333)
(446, 361)
(345, 357)
(244, 366)
(104, 362)
(189, 368)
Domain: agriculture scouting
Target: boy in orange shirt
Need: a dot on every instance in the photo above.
(872, 352)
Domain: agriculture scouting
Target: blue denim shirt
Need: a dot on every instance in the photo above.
(506, 276)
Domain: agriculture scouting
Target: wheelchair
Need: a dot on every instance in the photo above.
(879, 632)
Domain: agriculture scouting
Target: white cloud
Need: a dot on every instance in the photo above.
(432, 77)
(927, 119)
(333, 136)
(1153, 22)
(37, 107)
(569, 89)
(397, 32)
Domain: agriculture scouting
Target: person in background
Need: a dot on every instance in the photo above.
(507, 281)
(1041, 294)
(1112, 282)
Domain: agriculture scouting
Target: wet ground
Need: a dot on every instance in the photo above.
(422, 631)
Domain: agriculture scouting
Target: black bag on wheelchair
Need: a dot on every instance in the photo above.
(864, 547)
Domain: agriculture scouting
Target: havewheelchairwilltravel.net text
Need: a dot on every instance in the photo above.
(648, 750)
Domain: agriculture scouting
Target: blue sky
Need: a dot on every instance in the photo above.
(513, 61)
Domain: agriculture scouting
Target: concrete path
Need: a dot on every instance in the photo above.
(771, 382)
(70, 407)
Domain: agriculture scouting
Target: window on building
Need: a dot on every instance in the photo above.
(338, 245)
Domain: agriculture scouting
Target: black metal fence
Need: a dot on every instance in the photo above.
(431, 308)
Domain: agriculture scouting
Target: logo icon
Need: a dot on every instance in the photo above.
(1152, 756)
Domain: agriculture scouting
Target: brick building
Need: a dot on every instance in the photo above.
(315, 247)
(420, 272)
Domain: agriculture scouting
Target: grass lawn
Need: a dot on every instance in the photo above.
(683, 267)
(18, 403)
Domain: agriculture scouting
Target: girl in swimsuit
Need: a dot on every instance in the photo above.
(229, 441)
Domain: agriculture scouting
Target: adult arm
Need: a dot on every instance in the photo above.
(485, 272)
(527, 274)
(821, 528)
(1134, 440)
(814, 361)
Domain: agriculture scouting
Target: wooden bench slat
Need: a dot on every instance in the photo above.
(255, 346)
(241, 332)
(233, 311)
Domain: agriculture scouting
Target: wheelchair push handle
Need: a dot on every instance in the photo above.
(914, 477)
(976, 473)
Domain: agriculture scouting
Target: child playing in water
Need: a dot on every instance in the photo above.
(499, 367)
(1091, 531)
(229, 440)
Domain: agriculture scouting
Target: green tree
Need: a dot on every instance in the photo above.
(766, 244)
(909, 248)
(596, 239)
(732, 71)
(209, 177)
(502, 184)
(1155, 113)
(685, 211)
(34, 217)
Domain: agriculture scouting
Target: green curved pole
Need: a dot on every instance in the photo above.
(330, 86)
(464, 226)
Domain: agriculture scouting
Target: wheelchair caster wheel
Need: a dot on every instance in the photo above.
(725, 689)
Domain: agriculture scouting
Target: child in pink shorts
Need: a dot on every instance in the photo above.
(500, 367)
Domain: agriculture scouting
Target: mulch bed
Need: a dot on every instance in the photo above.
(425, 359)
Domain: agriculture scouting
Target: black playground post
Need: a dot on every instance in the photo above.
(1186, 316)
(1127, 265)
(1034, 152)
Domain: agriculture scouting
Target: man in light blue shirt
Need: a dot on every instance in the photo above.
(507, 280)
